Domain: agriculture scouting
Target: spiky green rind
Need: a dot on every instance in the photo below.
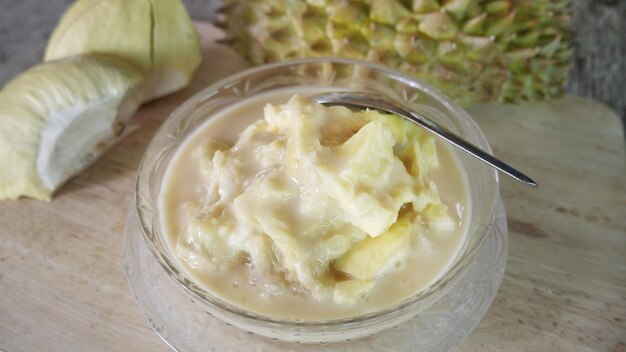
(476, 51)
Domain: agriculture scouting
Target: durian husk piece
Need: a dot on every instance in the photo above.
(155, 35)
(474, 51)
(58, 117)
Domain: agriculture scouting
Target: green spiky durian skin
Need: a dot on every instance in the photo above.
(476, 51)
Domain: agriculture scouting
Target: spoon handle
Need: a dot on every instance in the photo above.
(371, 101)
(470, 148)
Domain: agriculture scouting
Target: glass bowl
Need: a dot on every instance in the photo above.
(334, 74)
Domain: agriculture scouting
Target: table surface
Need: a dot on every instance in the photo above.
(62, 283)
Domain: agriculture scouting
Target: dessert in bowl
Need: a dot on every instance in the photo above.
(313, 224)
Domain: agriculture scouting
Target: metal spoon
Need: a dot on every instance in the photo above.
(367, 100)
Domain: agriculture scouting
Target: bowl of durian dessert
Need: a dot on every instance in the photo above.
(311, 223)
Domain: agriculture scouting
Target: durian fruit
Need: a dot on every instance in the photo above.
(373, 256)
(350, 291)
(156, 35)
(475, 51)
(58, 117)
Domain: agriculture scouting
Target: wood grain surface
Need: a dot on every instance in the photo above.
(62, 283)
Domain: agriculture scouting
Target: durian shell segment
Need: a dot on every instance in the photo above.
(58, 117)
(155, 35)
(474, 51)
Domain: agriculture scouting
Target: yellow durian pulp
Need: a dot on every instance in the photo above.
(324, 199)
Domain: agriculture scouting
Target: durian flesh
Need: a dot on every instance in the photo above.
(474, 51)
(155, 35)
(318, 196)
(58, 117)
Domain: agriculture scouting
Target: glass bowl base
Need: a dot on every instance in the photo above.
(185, 328)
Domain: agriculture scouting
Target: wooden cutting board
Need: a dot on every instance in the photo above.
(62, 283)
